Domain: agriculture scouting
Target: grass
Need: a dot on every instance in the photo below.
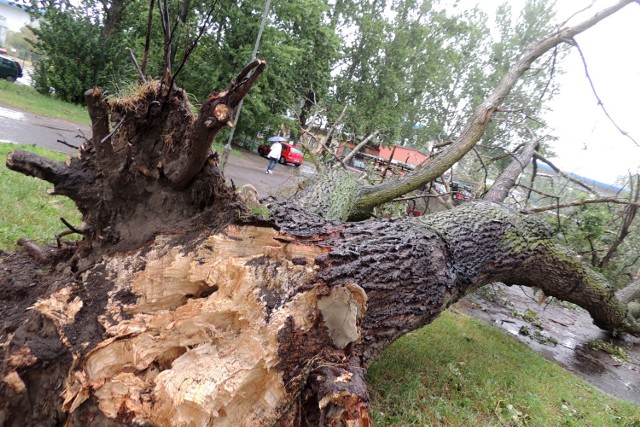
(26, 210)
(28, 99)
(460, 372)
(219, 147)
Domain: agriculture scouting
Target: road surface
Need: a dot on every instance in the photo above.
(19, 127)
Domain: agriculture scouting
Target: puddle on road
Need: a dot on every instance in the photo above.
(11, 114)
(571, 329)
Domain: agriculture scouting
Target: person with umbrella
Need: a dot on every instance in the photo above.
(274, 152)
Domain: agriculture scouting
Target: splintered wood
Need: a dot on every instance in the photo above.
(198, 344)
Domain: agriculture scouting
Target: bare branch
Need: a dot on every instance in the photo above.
(484, 168)
(166, 31)
(534, 190)
(534, 173)
(629, 215)
(371, 196)
(595, 93)
(63, 142)
(564, 175)
(582, 202)
(577, 13)
(359, 146)
(327, 138)
(141, 76)
(195, 42)
(147, 41)
(314, 159)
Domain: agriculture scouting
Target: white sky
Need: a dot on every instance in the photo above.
(589, 144)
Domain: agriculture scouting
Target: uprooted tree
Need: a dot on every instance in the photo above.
(180, 307)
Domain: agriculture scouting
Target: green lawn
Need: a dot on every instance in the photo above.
(28, 99)
(458, 371)
(26, 210)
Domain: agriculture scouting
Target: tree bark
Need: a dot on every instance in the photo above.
(181, 308)
(507, 179)
(113, 15)
(263, 323)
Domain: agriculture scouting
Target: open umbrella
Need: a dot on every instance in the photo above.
(276, 139)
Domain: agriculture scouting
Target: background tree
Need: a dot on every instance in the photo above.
(68, 64)
(22, 41)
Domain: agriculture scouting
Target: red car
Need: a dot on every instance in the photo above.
(290, 154)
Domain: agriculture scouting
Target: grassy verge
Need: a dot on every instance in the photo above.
(26, 210)
(219, 147)
(461, 372)
(28, 99)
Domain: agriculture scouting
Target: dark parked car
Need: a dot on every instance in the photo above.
(10, 69)
(290, 154)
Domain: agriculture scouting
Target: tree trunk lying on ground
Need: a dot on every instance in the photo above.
(179, 307)
(259, 324)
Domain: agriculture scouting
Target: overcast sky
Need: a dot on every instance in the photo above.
(588, 143)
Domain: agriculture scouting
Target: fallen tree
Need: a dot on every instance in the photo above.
(180, 307)
(360, 200)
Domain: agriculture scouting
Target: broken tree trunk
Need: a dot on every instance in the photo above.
(181, 308)
(263, 323)
(365, 198)
(507, 179)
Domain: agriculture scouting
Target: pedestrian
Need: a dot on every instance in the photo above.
(274, 156)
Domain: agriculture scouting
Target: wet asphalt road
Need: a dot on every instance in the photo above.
(24, 128)
(19, 127)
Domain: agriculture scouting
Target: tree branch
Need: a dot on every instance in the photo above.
(195, 42)
(147, 39)
(180, 164)
(141, 76)
(595, 93)
(507, 179)
(629, 215)
(359, 146)
(564, 175)
(338, 120)
(582, 202)
(475, 127)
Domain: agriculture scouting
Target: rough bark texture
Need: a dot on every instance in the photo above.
(261, 323)
(180, 308)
